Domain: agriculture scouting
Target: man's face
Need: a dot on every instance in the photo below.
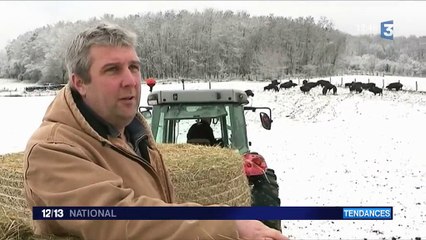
(115, 87)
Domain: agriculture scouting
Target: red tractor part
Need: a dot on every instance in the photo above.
(150, 82)
(254, 164)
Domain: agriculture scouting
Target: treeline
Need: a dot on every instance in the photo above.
(373, 55)
(222, 44)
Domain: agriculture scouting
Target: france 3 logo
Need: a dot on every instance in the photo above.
(386, 30)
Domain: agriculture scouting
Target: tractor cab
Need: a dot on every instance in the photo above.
(173, 112)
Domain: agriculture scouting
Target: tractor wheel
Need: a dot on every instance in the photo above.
(264, 192)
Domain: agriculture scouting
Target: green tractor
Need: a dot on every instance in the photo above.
(172, 112)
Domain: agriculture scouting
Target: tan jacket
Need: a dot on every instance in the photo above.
(68, 163)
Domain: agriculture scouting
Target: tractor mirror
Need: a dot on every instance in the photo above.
(265, 120)
(146, 112)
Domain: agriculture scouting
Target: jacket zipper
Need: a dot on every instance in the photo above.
(139, 139)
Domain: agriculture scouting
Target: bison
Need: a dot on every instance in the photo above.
(271, 87)
(367, 86)
(249, 93)
(323, 82)
(327, 87)
(352, 84)
(395, 85)
(348, 85)
(275, 82)
(311, 84)
(288, 84)
(307, 86)
(376, 90)
(355, 87)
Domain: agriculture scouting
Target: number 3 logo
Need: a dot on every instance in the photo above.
(386, 30)
(389, 30)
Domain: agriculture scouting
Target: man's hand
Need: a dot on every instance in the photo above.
(256, 230)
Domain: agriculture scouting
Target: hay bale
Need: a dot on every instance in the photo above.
(12, 161)
(14, 228)
(207, 175)
(11, 191)
(20, 228)
(8, 179)
(12, 199)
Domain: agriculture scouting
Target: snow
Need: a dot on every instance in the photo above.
(13, 86)
(335, 150)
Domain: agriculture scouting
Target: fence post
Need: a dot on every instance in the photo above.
(341, 82)
(416, 86)
(383, 83)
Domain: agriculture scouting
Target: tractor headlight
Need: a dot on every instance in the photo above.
(153, 99)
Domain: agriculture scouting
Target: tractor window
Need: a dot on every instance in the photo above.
(160, 129)
(176, 120)
(183, 125)
(236, 126)
(228, 126)
(198, 111)
(171, 123)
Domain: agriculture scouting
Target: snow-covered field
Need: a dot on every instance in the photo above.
(11, 86)
(335, 150)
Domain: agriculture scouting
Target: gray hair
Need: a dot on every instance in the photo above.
(77, 57)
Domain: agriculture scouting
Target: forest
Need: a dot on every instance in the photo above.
(217, 44)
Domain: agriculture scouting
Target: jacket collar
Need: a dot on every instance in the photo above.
(102, 127)
(135, 131)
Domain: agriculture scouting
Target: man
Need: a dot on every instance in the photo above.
(94, 149)
(201, 130)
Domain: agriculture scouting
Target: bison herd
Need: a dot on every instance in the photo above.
(328, 87)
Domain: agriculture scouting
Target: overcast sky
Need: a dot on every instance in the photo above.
(354, 17)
